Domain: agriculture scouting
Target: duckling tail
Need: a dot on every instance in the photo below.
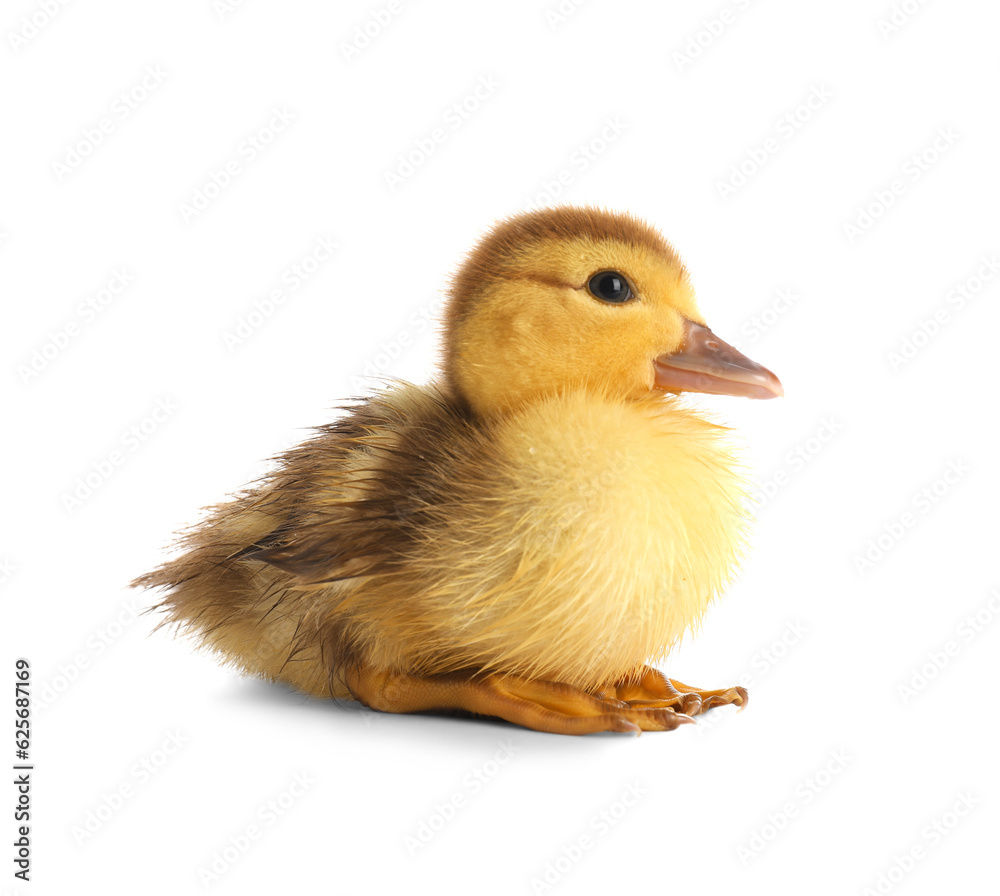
(254, 615)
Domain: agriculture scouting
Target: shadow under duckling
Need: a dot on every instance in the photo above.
(519, 538)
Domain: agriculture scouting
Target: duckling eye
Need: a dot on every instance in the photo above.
(610, 286)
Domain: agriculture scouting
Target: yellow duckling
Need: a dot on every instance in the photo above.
(519, 538)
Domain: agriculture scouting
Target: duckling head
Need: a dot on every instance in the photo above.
(571, 298)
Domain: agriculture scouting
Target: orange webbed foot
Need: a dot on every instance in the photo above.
(651, 688)
(549, 706)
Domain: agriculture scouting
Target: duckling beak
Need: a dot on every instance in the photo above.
(704, 363)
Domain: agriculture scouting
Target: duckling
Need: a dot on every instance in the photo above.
(520, 538)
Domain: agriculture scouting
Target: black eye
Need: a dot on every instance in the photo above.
(610, 286)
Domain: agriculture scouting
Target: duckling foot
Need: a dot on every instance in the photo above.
(654, 690)
(549, 706)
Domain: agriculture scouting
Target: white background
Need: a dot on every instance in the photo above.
(824, 624)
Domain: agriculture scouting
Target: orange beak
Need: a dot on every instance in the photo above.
(704, 363)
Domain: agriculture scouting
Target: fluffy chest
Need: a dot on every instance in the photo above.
(576, 538)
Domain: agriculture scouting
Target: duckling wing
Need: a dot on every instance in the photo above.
(264, 580)
(353, 494)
